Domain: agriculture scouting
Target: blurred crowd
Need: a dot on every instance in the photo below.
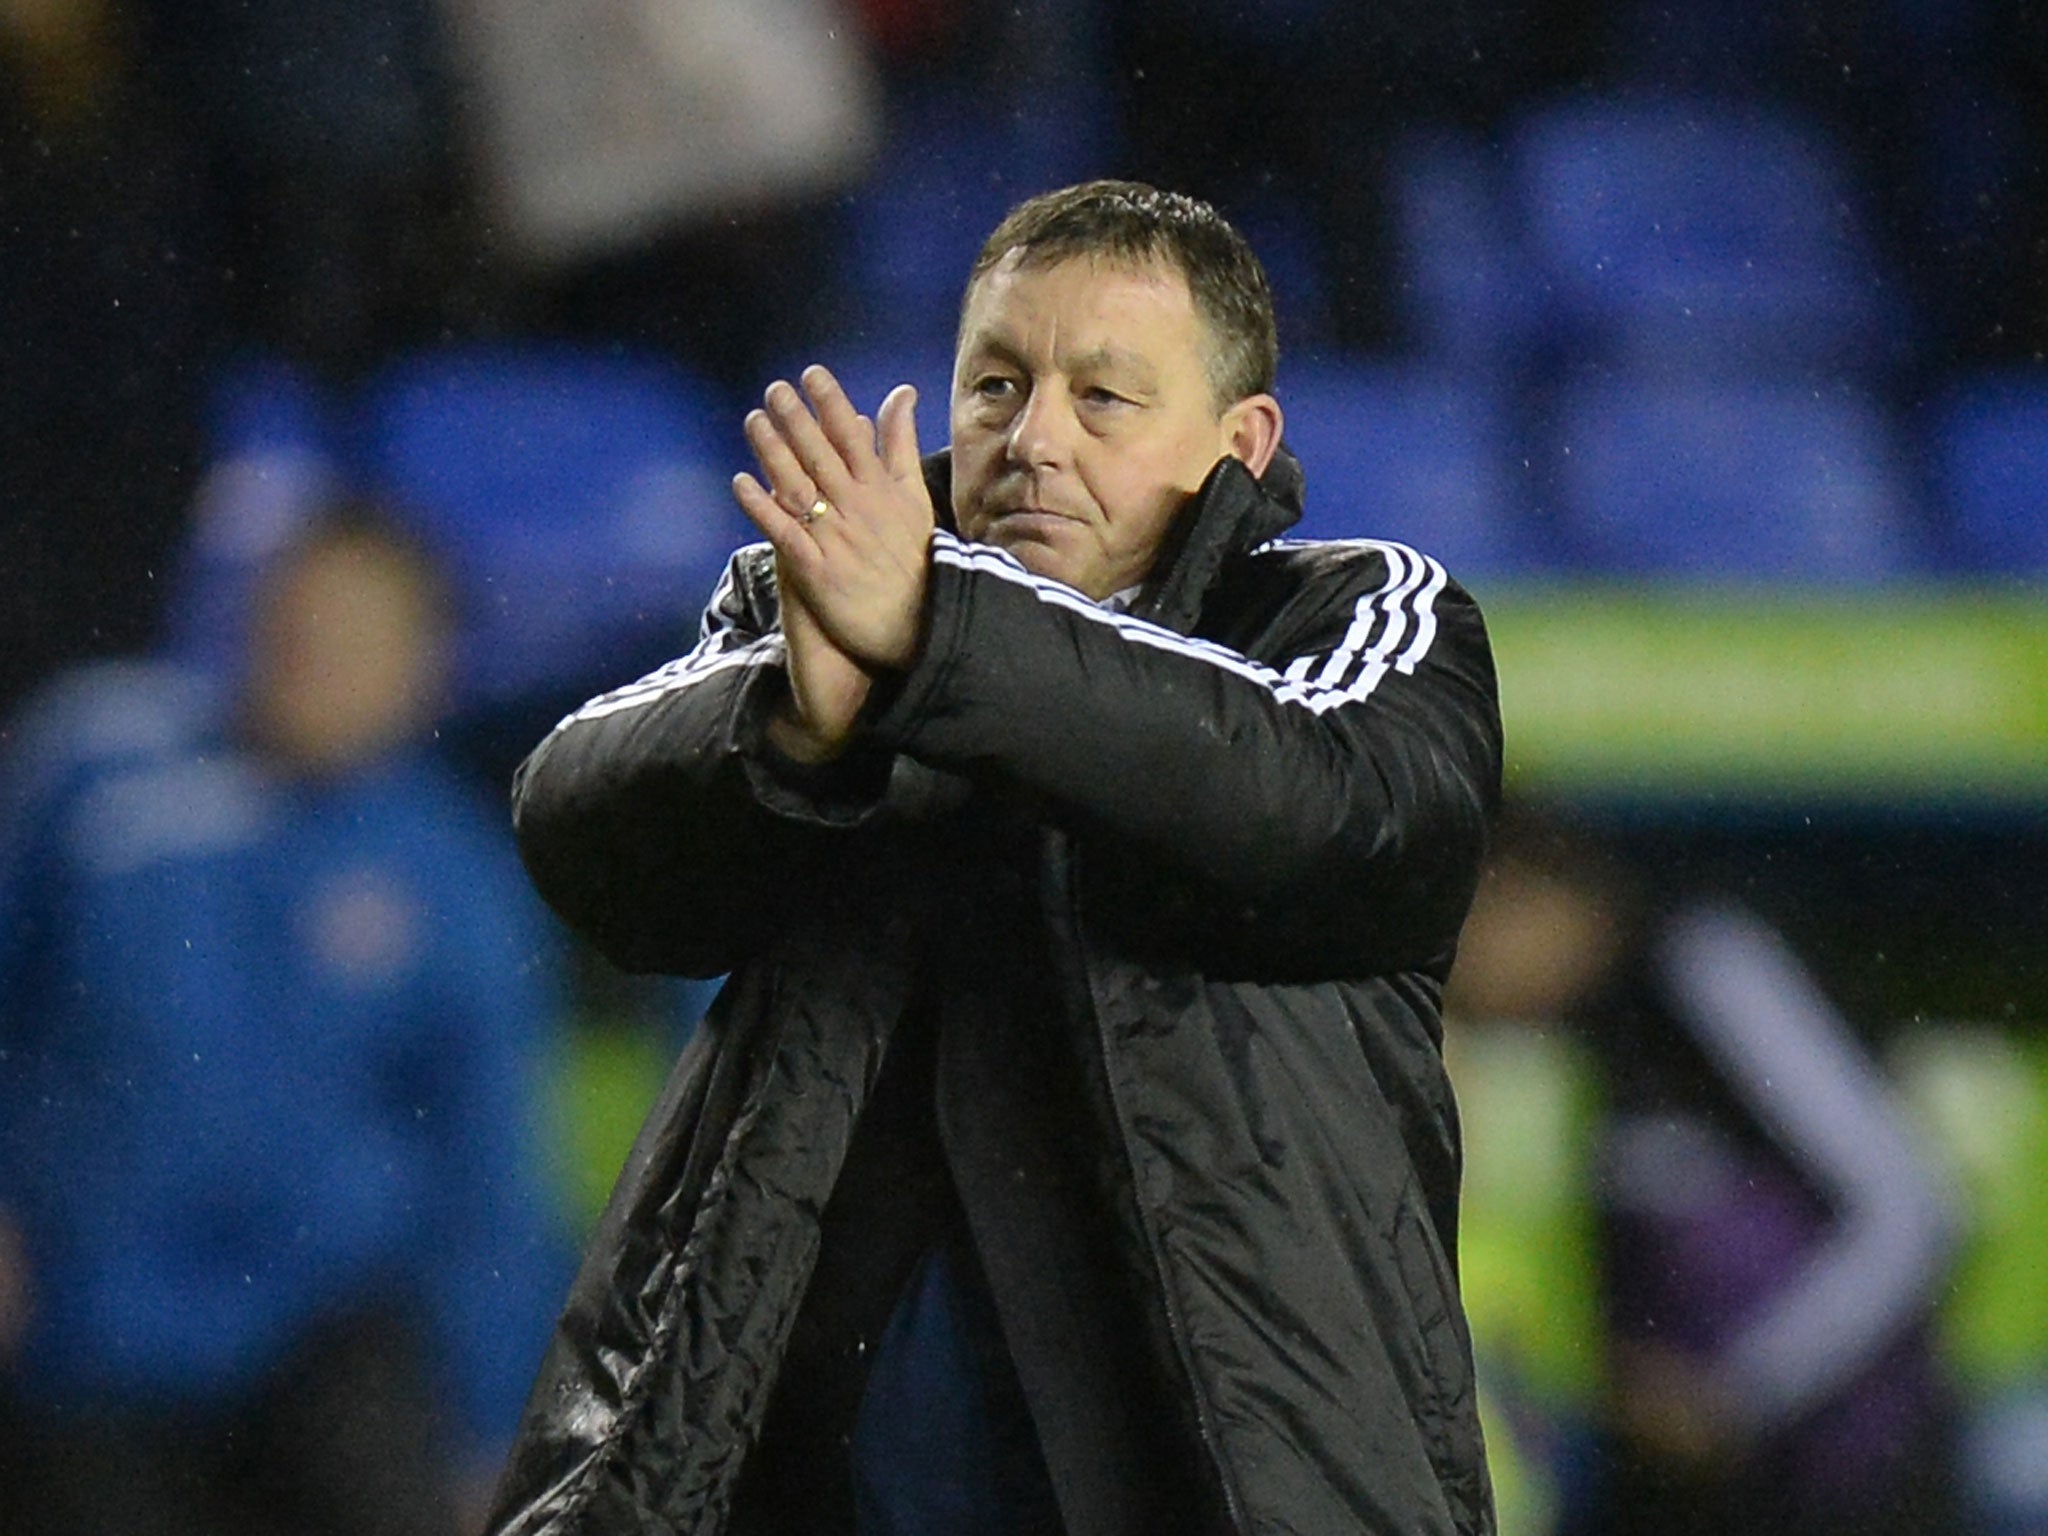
(372, 376)
(1851, 204)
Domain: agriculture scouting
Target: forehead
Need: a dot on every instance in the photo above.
(328, 576)
(1083, 304)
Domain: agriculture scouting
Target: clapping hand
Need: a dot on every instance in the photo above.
(846, 509)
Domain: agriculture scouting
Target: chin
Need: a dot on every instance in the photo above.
(1045, 544)
(1035, 555)
(1037, 558)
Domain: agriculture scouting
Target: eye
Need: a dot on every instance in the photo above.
(992, 386)
(1097, 394)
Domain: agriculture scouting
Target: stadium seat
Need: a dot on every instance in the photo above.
(1730, 480)
(868, 372)
(1281, 228)
(1467, 292)
(580, 495)
(1410, 453)
(1989, 465)
(952, 164)
(1700, 235)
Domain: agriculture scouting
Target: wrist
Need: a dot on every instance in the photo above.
(790, 736)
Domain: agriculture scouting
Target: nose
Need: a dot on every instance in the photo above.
(1041, 433)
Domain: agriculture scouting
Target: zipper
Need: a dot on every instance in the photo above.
(1062, 901)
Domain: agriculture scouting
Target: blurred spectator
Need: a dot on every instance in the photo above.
(274, 1005)
(104, 316)
(667, 172)
(1773, 1240)
(395, 172)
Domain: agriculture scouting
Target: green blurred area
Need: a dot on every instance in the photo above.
(1868, 768)
(1669, 693)
(1980, 1096)
(611, 1072)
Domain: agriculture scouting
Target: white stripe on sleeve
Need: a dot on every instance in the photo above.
(1401, 613)
(724, 650)
(719, 645)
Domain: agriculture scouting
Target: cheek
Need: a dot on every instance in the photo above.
(1145, 531)
(1141, 492)
(973, 467)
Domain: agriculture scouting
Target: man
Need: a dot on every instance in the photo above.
(274, 1008)
(1772, 1235)
(1070, 1149)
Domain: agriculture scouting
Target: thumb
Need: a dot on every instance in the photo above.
(896, 424)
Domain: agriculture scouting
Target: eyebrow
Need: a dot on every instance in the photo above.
(1130, 367)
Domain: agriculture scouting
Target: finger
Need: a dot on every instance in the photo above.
(789, 482)
(778, 525)
(896, 428)
(819, 457)
(849, 432)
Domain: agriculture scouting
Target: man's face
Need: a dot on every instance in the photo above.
(1083, 416)
(347, 656)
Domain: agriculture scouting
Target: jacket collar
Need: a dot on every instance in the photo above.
(1232, 514)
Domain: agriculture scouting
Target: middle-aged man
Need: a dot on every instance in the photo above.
(1070, 1149)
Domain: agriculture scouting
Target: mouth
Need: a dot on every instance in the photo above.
(1027, 525)
(1020, 508)
(1032, 510)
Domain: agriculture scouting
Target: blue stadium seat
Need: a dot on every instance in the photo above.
(952, 164)
(1700, 235)
(1730, 480)
(1466, 289)
(580, 495)
(1281, 228)
(1410, 453)
(868, 373)
(1989, 464)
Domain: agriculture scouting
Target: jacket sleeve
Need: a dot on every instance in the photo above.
(1337, 789)
(658, 822)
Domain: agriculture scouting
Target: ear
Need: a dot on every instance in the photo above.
(1251, 431)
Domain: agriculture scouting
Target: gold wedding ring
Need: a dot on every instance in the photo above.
(817, 510)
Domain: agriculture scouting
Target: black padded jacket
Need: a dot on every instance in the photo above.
(1256, 804)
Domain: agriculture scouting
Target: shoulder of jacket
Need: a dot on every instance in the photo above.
(1289, 593)
(1290, 553)
(1338, 569)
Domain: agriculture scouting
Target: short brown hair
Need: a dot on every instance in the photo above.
(1130, 222)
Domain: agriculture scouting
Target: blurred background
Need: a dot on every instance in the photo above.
(1702, 339)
